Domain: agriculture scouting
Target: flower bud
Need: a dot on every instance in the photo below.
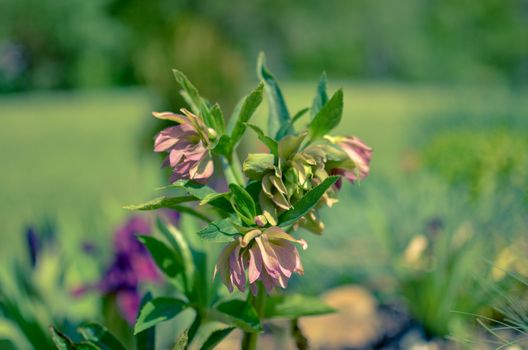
(260, 220)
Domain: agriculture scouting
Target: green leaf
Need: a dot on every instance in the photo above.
(321, 97)
(306, 203)
(164, 257)
(182, 342)
(219, 231)
(218, 118)
(7, 344)
(278, 111)
(294, 306)
(100, 336)
(201, 192)
(328, 117)
(211, 197)
(146, 340)
(254, 188)
(223, 147)
(216, 337)
(256, 164)
(192, 211)
(243, 203)
(289, 128)
(161, 202)
(158, 310)
(181, 249)
(86, 345)
(247, 109)
(192, 96)
(268, 141)
(61, 340)
(290, 145)
(237, 313)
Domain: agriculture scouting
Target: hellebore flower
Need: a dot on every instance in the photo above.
(130, 266)
(359, 153)
(268, 256)
(187, 145)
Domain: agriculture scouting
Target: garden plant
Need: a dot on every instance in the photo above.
(268, 198)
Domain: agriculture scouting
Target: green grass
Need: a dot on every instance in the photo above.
(71, 156)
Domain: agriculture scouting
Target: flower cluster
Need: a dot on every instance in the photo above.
(283, 189)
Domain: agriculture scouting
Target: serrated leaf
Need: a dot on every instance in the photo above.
(268, 141)
(306, 203)
(256, 164)
(321, 97)
(218, 119)
(219, 231)
(289, 128)
(243, 203)
(196, 102)
(100, 336)
(146, 340)
(158, 310)
(86, 345)
(328, 117)
(164, 257)
(213, 196)
(161, 202)
(237, 313)
(293, 306)
(61, 340)
(200, 192)
(246, 111)
(216, 337)
(182, 341)
(278, 111)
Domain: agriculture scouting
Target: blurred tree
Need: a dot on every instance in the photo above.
(60, 44)
(71, 43)
(179, 35)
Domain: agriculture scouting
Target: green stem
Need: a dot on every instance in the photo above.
(232, 170)
(250, 340)
(237, 170)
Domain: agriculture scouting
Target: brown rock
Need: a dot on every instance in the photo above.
(355, 325)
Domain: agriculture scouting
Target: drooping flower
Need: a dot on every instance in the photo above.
(187, 146)
(131, 265)
(359, 153)
(268, 256)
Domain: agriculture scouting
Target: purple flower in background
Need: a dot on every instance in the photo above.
(268, 256)
(33, 244)
(130, 266)
(186, 145)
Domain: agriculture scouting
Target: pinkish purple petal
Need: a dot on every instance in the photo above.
(255, 264)
(238, 275)
(128, 302)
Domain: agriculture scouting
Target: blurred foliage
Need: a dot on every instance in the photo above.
(60, 44)
(484, 162)
(66, 44)
(169, 34)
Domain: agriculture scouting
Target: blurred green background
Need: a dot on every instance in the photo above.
(437, 88)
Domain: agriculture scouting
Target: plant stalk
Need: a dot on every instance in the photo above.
(250, 339)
